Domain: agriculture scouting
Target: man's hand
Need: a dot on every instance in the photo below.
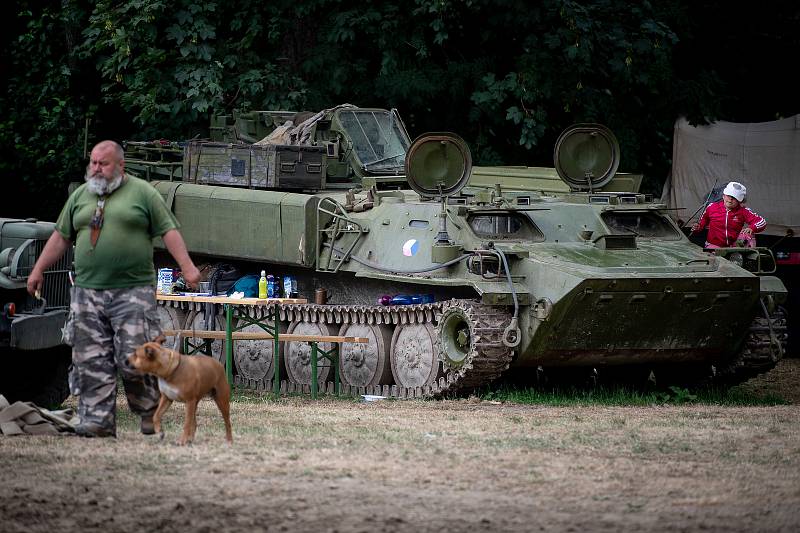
(747, 231)
(191, 276)
(177, 248)
(695, 227)
(35, 280)
(52, 252)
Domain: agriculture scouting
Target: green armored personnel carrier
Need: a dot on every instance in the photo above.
(459, 274)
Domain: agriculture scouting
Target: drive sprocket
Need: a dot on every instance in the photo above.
(469, 339)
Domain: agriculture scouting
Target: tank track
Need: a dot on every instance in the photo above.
(764, 346)
(488, 357)
(486, 360)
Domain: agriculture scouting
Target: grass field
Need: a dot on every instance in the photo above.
(470, 464)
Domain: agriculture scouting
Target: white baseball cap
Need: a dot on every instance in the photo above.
(736, 190)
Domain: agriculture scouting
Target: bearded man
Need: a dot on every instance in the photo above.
(112, 219)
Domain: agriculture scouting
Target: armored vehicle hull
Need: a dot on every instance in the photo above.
(499, 268)
(662, 303)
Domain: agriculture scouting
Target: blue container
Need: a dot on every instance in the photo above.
(271, 292)
(402, 299)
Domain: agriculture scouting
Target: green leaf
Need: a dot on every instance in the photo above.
(176, 33)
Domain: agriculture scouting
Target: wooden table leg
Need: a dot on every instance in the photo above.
(276, 354)
(314, 384)
(229, 344)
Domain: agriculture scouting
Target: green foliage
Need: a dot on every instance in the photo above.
(676, 395)
(170, 64)
(43, 113)
(618, 395)
(604, 61)
(518, 73)
(508, 76)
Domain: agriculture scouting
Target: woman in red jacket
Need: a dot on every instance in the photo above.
(726, 219)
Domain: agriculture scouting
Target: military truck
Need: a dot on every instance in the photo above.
(33, 361)
(485, 271)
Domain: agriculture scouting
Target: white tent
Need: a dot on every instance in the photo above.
(764, 156)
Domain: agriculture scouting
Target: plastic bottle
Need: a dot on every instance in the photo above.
(271, 292)
(406, 299)
(262, 285)
(288, 286)
(401, 299)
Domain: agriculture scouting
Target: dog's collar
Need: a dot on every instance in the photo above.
(173, 363)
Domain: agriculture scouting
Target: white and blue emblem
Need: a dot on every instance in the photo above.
(410, 248)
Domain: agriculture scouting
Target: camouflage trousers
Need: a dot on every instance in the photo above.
(104, 328)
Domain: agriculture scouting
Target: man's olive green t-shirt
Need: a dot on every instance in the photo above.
(135, 213)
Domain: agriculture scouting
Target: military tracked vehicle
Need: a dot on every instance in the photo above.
(500, 270)
(33, 360)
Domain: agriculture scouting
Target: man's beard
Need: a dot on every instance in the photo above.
(99, 185)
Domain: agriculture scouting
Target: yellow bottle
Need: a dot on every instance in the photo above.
(262, 285)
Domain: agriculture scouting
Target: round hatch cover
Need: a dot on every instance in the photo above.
(438, 164)
(586, 156)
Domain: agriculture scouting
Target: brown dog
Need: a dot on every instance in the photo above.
(185, 379)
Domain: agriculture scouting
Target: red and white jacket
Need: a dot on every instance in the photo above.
(724, 225)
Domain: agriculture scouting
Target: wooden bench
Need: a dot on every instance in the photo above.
(232, 307)
(331, 355)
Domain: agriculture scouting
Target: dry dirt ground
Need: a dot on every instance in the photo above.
(466, 465)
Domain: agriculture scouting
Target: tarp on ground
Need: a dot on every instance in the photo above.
(764, 156)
